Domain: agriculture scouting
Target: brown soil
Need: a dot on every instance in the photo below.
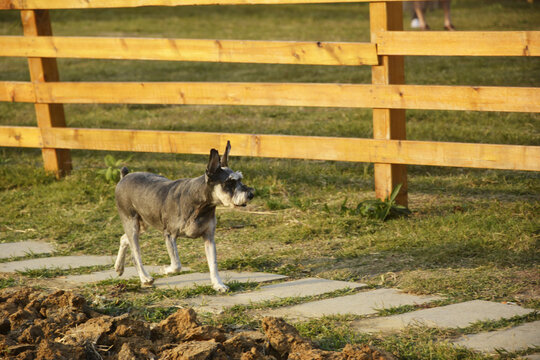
(36, 325)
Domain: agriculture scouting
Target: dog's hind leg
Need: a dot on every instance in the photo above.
(132, 228)
(121, 258)
(172, 249)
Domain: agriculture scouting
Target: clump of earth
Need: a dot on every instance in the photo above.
(61, 325)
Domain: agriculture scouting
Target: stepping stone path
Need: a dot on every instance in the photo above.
(188, 280)
(57, 262)
(298, 288)
(24, 248)
(514, 339)
(451, 316)
(364, 303)
(129, 273)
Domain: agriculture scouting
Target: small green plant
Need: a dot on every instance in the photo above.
(112, 172)
(377, 209)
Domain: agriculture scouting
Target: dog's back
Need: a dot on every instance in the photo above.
(142, 194)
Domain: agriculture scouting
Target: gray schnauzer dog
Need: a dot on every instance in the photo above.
(184, 207)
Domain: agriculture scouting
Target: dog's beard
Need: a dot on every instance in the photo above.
(238, 198)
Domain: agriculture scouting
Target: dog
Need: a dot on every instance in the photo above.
(184, 207)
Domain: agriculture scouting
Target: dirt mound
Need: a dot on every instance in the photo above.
(35, 325)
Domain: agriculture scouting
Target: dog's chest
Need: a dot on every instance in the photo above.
(194, 225)
(196, 228)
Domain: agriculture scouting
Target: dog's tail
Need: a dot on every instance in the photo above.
(123, 172)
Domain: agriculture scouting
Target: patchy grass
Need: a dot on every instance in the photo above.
(7, 282)
(45, 273)
(472, 234)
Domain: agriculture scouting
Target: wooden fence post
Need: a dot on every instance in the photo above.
(388, 123)
(38, 23)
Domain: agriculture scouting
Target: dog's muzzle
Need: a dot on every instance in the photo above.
(241, 198)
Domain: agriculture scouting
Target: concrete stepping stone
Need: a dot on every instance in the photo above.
(297, 288)
(517, 338)
(24, 248)
(61, 262)
(189, 280)
(129, 273)
(450, 316)
(362, 303)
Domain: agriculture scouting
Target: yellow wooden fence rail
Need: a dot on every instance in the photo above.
(387, 95)
(512, 157)
(429, 97)
(95, 4)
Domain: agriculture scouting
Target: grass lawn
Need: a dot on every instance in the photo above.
(472, 234)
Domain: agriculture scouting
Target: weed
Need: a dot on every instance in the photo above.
(377, 209)
(112, 171)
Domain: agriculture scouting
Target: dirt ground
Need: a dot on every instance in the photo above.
(60, 325)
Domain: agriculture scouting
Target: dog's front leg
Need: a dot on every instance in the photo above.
(211, 257)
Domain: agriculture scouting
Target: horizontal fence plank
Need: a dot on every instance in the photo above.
(459, 43)
(429, 97)
(89, 4)
(20, 136)
(17, 91)
(276, 52)
(512, 157)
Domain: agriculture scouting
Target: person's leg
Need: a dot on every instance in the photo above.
(447, 19)
(419, 10)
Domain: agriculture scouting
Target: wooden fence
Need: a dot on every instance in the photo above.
(387, 95)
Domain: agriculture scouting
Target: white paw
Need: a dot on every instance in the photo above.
(146, 282)
(119, 269)
(167, 270)
(220, 287)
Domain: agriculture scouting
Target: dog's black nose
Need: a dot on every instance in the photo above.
(251, 195)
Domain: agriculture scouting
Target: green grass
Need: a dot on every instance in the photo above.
(45, 273)
(472, 234)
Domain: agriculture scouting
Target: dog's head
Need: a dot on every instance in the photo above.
(226, 185)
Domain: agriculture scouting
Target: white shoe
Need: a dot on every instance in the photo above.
(415, 23)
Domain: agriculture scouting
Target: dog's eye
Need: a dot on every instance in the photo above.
(230, 184)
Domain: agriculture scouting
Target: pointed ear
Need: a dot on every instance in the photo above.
(213, 163)
(225, 160)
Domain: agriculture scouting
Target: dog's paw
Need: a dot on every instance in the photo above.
(220, 287)
(119, 270)
(147, 282)
(167, 270)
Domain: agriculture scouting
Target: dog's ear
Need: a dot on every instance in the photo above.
(225, 160)
(213, 163)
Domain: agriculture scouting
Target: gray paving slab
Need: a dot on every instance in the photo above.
(24, 248)
(129, 273)
(450, 316)
(297, 288)
(531, 357)
(517, 338)
(61, 262)
(362, 303)
(189, 280)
